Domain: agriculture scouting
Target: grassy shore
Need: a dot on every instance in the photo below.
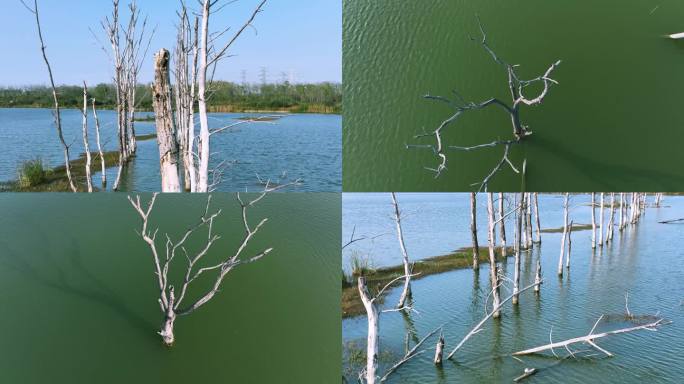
(575, 227)
(460, 259)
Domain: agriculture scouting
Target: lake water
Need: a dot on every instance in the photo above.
(618, 97)
(644, 261)
(301, 146)
(79, 296)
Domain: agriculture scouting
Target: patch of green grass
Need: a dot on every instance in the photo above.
(150, 136)
(32, 173)
(575, 227)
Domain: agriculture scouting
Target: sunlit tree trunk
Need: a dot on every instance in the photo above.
(473, 230)
(593, 220)
(406, 292)
(528, 221)
(536, 217)
(372, 339)
(516, 272)
(493, 273)
(566, 204)
(621, 225)
(502, 225)
(611, 219)
(567, 258)
(99, 147)
(601, 222)
(86, 145)
(166, 129)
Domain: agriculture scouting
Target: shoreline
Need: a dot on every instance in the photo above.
(217, 109)
(351, 305)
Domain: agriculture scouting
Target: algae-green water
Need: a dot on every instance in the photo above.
(78, 294)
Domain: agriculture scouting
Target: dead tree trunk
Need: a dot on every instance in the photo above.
(86, 145)
(99, 147)
(166, 129)
(439, 350)
(502, 225)
(372, 340)
(621, 226)
(516, 271)
(593, 220)
(611, 218)
(493, 272)
(57, 114)
(170, 304)
(406, 292)
(528, 222)
(538, 275)
(536, 217)
(566, 204)
(601, 223)
(567, 259)
(473, 231)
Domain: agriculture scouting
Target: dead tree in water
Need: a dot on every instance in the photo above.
(99, 147)
(166, 128)
(406, 292)
(593, 220)
(473, 230)
(528, 217)
(516, 270)
(566, 204)
(536, 217)
(129, 47)
(170, 303)
(621, 220)
(56, 110)
(601, 222)
(86, 145)
(209, 57)
(611, 218)
(567, 259)
(493, 271)
(516, 87)
(502, 225)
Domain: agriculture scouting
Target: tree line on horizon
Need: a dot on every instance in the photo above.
(226, 96)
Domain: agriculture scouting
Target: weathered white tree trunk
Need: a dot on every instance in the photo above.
(528, 218)
(99, 147)
(406, 292)
(502, 225)
(493, 272)
(473, 231)
(566, 204)
(204, 136)
(567, 259)
(536, 217)
(372, 341)
(633, 209)
(57, 112)
(166, 331)
(167, 139)
(593, 220)
(621, 225)
(611, 218)
(439, 350)
(86, 145)
(516, 271)
(601, 222)
(538, 275)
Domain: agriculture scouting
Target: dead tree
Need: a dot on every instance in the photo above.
(528, 221)
(658, 199)
(209, 57)
(56, 109)
(536, 217)
(167, 139)
(99, 146)
(410, 354)
(489, 314)
(621, 219)
(516, 270)
(473, 230)
(593, 220)
(567, 259)
(439, 350)
(590, 339)
(369, 374)
(493, 271)
(611, 218)
(86, 145)
(129, 47)
(601, 222)
(406, 292)
(502, 225)
(566, 205)
(516, 87)
(170, 304)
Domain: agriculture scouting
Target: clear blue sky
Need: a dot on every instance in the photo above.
(299, 37)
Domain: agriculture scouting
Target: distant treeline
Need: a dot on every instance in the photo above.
(224, 97)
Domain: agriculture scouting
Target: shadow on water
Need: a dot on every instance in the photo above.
(79, 281)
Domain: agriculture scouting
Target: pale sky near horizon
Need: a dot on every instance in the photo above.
(301, 39)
